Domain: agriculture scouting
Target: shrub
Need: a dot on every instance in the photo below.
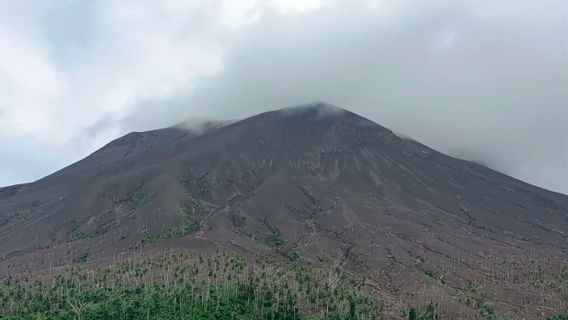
(138, 200)
(423, 313)
(273, 240)
(487, 312)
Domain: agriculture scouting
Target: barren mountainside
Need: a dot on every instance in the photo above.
(317, 183)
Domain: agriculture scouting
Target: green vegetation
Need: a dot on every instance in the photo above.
(466, 295)
(76, 234)
(296, 255)
(563, 316)
(420, 264)
(139, 199)
(487, 312)
(189, 225)
(560, 283)
(180, 286)
(273, 240)
(189, 208)
(80, 236)
(84, 258)
(423, 313)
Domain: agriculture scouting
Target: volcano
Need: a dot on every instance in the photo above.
(316, 183)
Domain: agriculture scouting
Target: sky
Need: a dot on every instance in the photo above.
(482, 80)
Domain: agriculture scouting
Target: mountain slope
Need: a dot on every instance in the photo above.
(315, 181)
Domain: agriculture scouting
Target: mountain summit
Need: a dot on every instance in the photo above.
(314, 182)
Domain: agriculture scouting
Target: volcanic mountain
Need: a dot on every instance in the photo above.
(316, 183)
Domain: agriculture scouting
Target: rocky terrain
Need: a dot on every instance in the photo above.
(314, 183)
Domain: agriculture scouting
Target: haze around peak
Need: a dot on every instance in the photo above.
(479, 80)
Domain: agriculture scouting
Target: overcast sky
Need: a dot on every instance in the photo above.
(484, 80)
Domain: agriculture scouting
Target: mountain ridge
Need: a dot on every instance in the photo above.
(316, 181)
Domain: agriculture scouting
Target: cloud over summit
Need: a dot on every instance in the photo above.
(482, 80)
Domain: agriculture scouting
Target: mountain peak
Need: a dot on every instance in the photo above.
(319, 108)
(322, 181)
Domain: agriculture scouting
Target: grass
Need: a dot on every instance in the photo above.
(273, 240)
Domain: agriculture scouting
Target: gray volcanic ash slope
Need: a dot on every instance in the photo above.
(315, 181)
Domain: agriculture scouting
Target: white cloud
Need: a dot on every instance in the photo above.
(296, 6)
(77, 73)
(443, 41)
(67, 65)
(239, 13)
(29, 84)
(136, 50)
(55, 83)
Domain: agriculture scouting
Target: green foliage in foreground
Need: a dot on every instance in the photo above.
(424, 313)
(183, 287)
(558, 317)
